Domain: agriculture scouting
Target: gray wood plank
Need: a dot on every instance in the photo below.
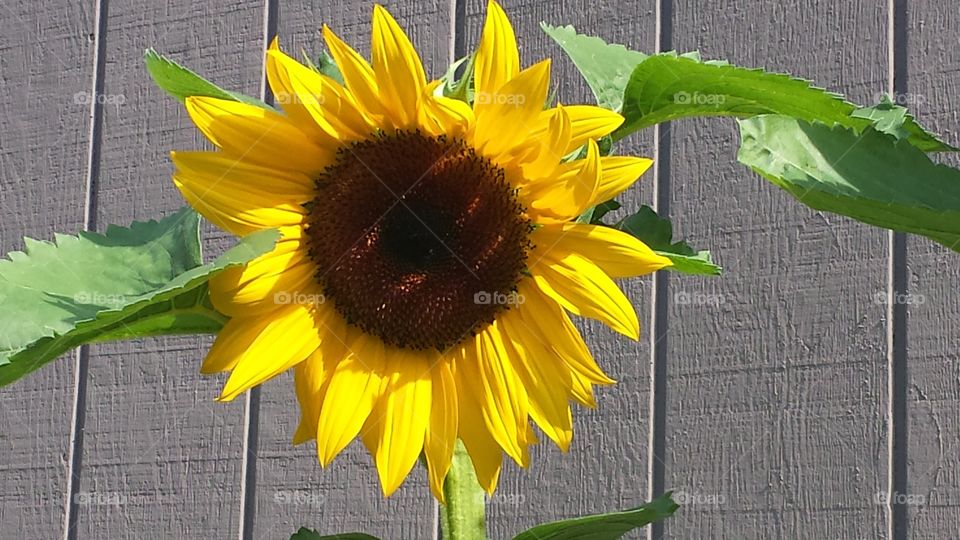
(161, 458)
(777, 379)
(606, 467)
(933, 494)
(292, 489)
(46, 66)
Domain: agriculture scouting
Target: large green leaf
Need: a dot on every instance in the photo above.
(145, 280)
(606, 67)
(182, 83)
(657, 233)
(309, 534)
(668, 87)
(603, 526)
(869, 175)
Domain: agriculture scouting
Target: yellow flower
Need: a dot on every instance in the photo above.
(429, 253)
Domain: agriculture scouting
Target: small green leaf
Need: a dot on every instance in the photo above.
(310, 534)
(606, 67)
(897, 121)
(326, 65)
(182, 83)
(657, 233)
(461, 88)
(595, 215)
(603, 526)
(145, 280)
(869, 176)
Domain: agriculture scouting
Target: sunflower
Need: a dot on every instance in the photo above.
(429, 251)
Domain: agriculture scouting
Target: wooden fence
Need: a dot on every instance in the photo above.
(786, 399)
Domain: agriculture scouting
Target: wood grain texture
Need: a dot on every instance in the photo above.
(933, 336)
(46, 68)
(606, 467)
(161, 458)
(777, 377)
(292, 489)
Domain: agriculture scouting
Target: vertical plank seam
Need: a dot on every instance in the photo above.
(457, 49)
(82, 356)
(897, 371)
(660, 305)
(251, 404)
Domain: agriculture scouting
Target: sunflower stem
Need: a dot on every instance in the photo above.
(464, 515)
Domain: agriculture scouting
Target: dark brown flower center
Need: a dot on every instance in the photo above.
(417, 239)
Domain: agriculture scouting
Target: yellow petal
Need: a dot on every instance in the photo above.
(289, 336)
(357, 73)
(257, 135)
(552, 145)
(544, 378)
(517, 104)
(582, 288)
(441, 436)
(440, 115)
(571, 192)
(310, 380)
(586, 122)
(398, 69)
(281, 277)
(617, 253)
(617, 174)
(239, 197)
(485, 453)
(285, 95)
(354, 388)
(327, 105)
(545, 317)
(498, 59)
(497, 388)
(403, 415)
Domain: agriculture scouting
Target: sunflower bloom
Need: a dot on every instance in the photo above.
(429, 254)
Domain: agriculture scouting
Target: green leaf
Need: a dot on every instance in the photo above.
(145, 280)
(461, 88)
(595, 214)
(657, 233)
(606, 67)
(326, 65)
(897, 121)
(869, 176)
(668, 87)
(309, 534)
(603, 526)
(182, 83)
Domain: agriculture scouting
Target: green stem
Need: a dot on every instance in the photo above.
(463, 517)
